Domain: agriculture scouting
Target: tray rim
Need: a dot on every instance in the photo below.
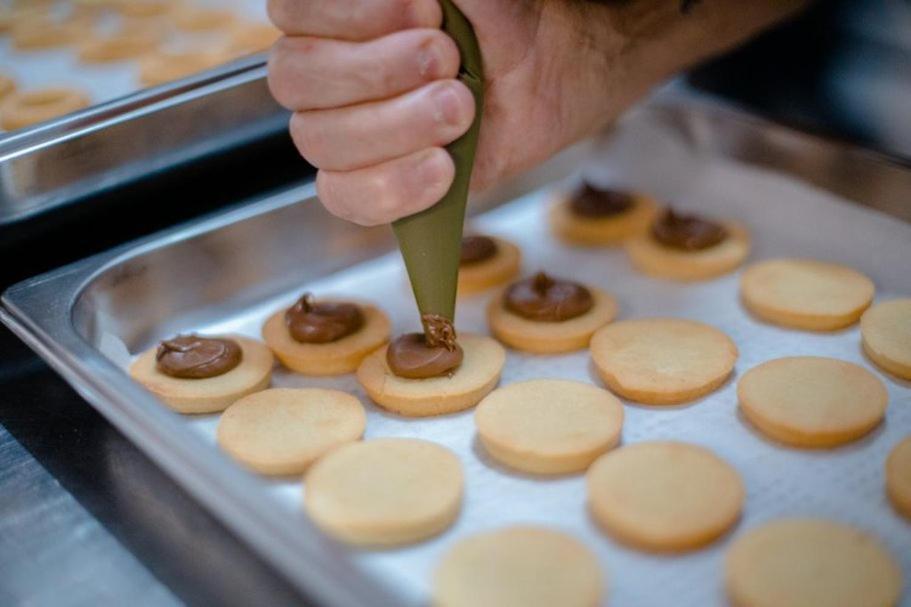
(157, 431)
(42, 318)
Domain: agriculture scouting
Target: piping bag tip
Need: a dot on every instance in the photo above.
(430, 241)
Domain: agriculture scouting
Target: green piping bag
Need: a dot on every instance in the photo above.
(431, 240)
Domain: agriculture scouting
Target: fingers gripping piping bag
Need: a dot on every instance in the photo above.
(430, 241)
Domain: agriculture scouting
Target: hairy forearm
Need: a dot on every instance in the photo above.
(663, 39)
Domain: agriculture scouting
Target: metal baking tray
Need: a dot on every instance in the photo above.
(229, 272)
(130, 131)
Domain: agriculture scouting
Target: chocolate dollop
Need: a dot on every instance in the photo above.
(687, 232)
(590, 201)
(476, 249)
(547, 299)
(429, 354)
(195, 357)
(312, 322)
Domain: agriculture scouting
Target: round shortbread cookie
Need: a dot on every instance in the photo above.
(810, 563)
(7, 86)
(898, 476)
(478, 374)
(284, 430)
(550, 337)
(811, 401)
(211, 394)
(886, 333)
(499, 269)
(201, 19)
(519, 566)
(664, 496)
(166, 66)
(247, 38)
(41, 34)
(333, 358)
(20, 109)
(653, 258)
(549, 426)
(805, 294)
(384, 492)
(600, 231)
(660, 361)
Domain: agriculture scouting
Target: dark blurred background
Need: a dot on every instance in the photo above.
(842, 69)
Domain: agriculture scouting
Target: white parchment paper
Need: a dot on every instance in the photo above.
(787, 218)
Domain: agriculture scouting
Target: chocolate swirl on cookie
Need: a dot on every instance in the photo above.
(195, 357)
(546, 299)
(593, 202)
(687, 232)
(312, 322)
(476, 249)
(429, 354)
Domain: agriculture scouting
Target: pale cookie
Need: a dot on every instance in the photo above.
(384, 492)
(7, 86)
(126, 44)
(664, 496)
(211, 394)
(161, 67)
(472, 380)
(541, 337)
(25, 108)
(811, 401)
(805, 294)
(284, 430)
(661, 361)
(333, 358)
(249, 38)
(549, 426)
(810, 563)
(898, 476)
(197, 19)
(600, 231)
(885, 330)
(145, 8)
(655, 259)
(39, 34)
(499, 269)
(519, 566)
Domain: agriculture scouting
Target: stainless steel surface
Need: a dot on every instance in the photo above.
(58, 554)
(86, 318)
(137, 135)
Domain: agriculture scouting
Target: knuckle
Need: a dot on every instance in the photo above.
(308, 138)
(328, 191)
(279, 13)
(279, 77)
(437, 170)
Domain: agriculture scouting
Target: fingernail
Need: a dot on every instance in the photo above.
(446, 105)
(428, 60)
(433, 167)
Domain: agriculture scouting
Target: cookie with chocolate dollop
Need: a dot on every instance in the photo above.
(688, 246)
(198, 374)
(595, 216)
(434, 372)
(317, 337)
(486, 262)
(549, 314)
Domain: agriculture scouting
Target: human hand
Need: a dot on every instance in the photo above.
(375, 100)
